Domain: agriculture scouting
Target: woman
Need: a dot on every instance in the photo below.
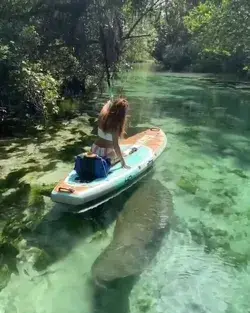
(111, 127)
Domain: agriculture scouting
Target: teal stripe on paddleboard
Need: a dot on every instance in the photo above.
(143, 153)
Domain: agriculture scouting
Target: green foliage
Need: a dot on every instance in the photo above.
(52, 50)
(199, 18)
(172, 47)
(205, 36)
(4, 49)
(222, 31)
(222, 28)
(38, 88)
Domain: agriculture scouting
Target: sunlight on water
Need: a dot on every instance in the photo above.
(64, 287)
(183, 278)
(202, 265)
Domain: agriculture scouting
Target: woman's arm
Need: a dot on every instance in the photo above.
(118, 149)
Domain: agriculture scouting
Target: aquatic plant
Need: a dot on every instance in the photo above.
(99, 235)
(239, 172)
(35, 197)
(5, 274)
(37, 192)
(187, 185)
(34, 255)
(145, 303)
(23, 223)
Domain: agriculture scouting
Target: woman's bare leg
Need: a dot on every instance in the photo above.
(114, 158)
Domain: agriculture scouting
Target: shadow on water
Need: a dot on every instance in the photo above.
(56, 232)
(61, 228)
(60, 231)
(17, 145)
(140, 228)
(68, 151)
(16, 200)
(13, 178)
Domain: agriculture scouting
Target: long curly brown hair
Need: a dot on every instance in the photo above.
(113, 116)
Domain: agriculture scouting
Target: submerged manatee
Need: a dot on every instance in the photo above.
(141, 224)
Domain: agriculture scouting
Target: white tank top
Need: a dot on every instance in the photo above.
(106, 136)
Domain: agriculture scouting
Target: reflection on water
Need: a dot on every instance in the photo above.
(203, 265)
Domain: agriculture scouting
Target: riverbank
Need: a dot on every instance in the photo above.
(30, 168)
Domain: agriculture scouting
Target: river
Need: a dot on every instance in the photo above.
(202, 265)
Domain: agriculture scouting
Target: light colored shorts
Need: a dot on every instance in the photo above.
(104, 152)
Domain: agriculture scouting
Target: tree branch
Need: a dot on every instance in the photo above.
(137, 36)
(139, 19)
(104, 50)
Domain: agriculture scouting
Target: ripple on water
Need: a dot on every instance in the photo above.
(208, 150)
(64, 287)
(183, 278)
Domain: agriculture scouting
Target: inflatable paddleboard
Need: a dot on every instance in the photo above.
(140, 150)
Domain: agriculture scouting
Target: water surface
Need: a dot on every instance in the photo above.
(203, 264)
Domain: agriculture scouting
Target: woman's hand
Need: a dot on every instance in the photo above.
(118, 150)
(124, 165)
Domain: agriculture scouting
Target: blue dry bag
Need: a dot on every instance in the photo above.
(89, 168)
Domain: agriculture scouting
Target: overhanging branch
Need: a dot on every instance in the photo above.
(139, 19)
(137, 36)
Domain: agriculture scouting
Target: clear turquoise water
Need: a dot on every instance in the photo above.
(203, 263)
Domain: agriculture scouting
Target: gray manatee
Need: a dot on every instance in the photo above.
(139, 228)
